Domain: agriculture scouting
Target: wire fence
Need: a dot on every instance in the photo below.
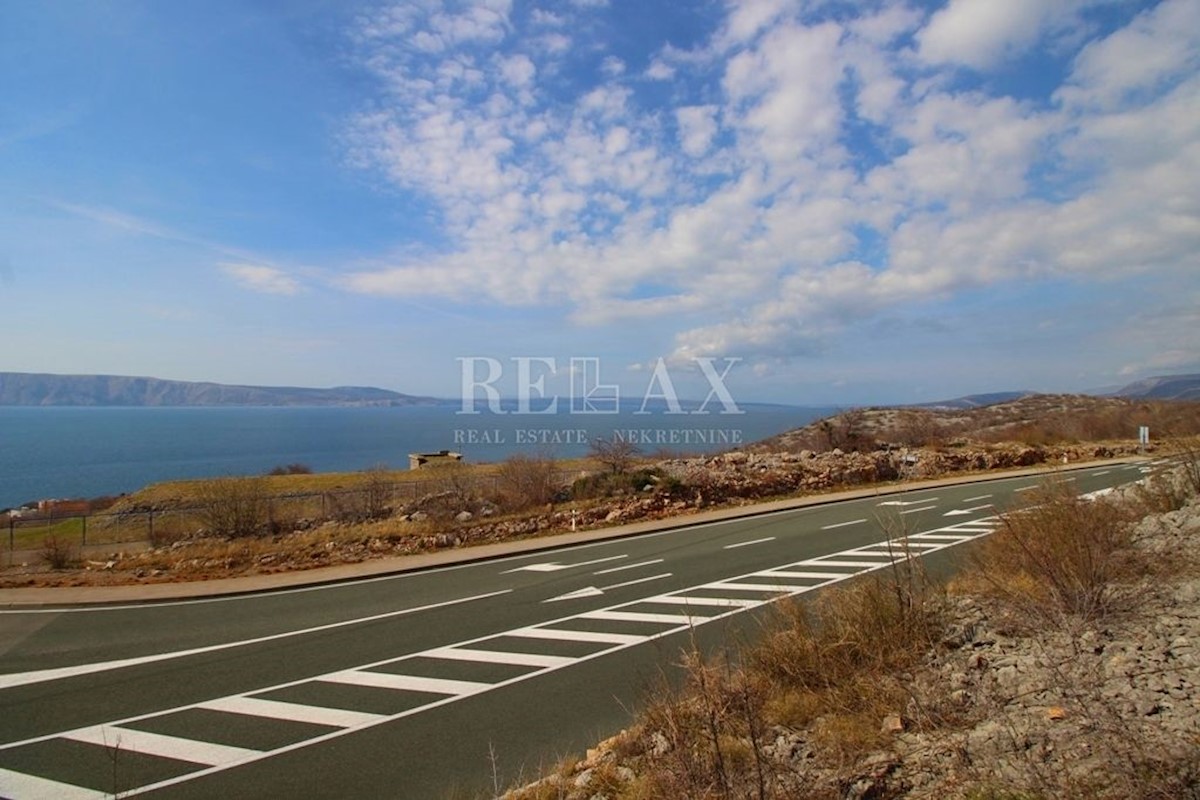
(279, 513)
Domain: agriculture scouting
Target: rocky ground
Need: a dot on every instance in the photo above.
(1005, 706)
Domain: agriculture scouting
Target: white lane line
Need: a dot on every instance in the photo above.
(596, 591)
(842, 524)
(773, 588)
(157, 744)
(894, 547)
(906, 503)
(38, 676)
(719, 602)
(977, 497)
(1026, 488)
(628, 566)
(747, 544)
(554, 566)
(20, 786)
(863, 564)
(983, 507)
(406, 683)
(561, 635)
(950, 537)
(294, 712)
(499, 657)
(1101, 472)
(781, 573)
(915, 510)
(645, 616)
(636, 581)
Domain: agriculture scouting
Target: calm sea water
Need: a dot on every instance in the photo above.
(88, 452)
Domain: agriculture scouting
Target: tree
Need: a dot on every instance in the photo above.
(615, 453)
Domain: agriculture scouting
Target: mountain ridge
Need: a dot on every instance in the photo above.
(48, 389)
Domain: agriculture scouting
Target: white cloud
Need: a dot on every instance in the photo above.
(758, 197)
(258, 278)
(697, 127)
(981, 33)
(1159, 45)
(660, 71)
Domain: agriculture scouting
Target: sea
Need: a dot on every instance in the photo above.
(87, 452)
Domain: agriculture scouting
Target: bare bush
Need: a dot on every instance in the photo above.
(1062, 555)
(615, 453)
(57, 552)
(525, 481)
(233, 507)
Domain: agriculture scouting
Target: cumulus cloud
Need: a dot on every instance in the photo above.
(811, 169)
(258, 278)
(982, 33)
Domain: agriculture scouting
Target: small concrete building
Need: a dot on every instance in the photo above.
(418, 460)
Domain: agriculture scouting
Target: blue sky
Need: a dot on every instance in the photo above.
(875, 201)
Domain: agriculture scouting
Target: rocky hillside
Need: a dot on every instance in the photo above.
(1166, 387)
(1036, 419)
(32, 389)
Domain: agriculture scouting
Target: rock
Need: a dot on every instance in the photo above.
(892, 724)
(463, 516)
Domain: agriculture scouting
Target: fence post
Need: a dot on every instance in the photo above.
(151, 518)
(84, 544)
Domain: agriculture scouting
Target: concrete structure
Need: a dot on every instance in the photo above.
(418, 460)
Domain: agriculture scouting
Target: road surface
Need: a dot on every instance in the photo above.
(436, 684)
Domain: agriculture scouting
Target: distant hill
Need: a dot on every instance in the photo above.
(1163, 387)
(31, 389)
(976, 400)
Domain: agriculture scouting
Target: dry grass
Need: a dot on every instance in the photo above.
(1061, 556)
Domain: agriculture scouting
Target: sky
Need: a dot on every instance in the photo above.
(838, 202)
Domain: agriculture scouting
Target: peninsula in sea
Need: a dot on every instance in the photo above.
(39, 389)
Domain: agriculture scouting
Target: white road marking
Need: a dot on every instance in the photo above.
(1101, 472)
(781, 573)
(725, 602)
(19, 786)
(594, 591)
(295, 712)
(893, 547)
(644, 616)
(915, 510)
(500, 657)
(624, 567)
(58, 673)
(1027, 488)
(842, 524)
(953, 537)
(977, 497)
(905, 503)
(157, 744)
(577, 636)
(554, 566)
(861, 564)
(774, 588)
(406, 683)
(747, 544)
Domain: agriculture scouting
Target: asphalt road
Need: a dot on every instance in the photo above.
(443, 683)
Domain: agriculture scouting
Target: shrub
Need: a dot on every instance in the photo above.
(617, 454)
(291, 469)
(1062, 555)
(233, 507)
(525, 481)
(57, 552)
